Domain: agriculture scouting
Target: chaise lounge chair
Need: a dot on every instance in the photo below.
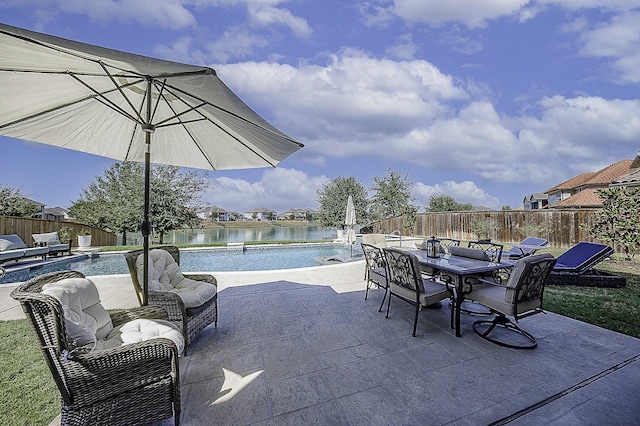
(53, 242)
(13, 248)
(576, 267)
(526, 247)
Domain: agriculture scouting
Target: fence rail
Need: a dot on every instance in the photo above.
(562, 228)
(25, 227)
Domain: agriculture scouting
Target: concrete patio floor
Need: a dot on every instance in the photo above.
(304, 347)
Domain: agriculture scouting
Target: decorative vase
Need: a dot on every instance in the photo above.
(84, 241)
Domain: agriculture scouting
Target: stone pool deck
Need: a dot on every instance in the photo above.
(304, 347)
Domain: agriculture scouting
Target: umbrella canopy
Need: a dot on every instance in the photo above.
(350, 221)
(128, 107)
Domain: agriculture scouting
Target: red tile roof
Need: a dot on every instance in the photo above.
(584, 198)
(607, 175)
(601, 178)
(574, 182)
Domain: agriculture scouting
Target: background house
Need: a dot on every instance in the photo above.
(535, 201)
(296, 214)
(260, 214)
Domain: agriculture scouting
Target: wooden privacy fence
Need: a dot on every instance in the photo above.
(560, 227)
(26, 227)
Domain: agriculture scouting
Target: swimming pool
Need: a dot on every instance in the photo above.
(251, 258)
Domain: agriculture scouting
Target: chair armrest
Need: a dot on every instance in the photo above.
(170, 302)
(203, 277)
(148, 312)
(483, 280)
(100, 375)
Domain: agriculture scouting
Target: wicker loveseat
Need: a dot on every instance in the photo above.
(192, 320)
(135, 383)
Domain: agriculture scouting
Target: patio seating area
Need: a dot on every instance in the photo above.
(305, 347)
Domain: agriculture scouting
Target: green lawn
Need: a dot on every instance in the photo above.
(29, 395)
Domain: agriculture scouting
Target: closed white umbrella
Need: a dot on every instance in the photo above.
(130, 108)
(350, 221)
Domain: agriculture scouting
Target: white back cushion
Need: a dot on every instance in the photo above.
(86, 320)
(165, 275)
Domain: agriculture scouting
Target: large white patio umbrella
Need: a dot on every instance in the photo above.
(350, 221)
(130, 108)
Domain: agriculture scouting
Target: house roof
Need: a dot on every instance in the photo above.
(536, 196)
(630, 179)
(607, 175)
(600, 178)
(260, 210)
(584, 198)
(574, 182)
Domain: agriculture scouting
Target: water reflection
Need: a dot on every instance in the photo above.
(237, 234)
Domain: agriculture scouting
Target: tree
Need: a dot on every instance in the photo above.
(446, 203)
(115, 201)
(392, 195)
(333, 196)
(175, 198)
(14, 203)
(618, 222)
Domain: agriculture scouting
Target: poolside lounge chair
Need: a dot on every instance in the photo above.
(13, 248)
(529, 246)
(52, 241)
(110, 368)
(191, 300)
(576, 267)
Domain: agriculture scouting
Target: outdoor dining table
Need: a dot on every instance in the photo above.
(461, 267)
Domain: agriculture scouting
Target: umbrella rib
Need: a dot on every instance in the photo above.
(232, 114)
(117, 86)
(180, 122)
(133, 134)
(99, 96)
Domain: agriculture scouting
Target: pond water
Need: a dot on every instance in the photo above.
(237, 234)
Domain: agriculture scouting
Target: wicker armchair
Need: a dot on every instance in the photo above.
(191, 321)
(135, 383)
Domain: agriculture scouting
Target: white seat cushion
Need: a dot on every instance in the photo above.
(89, 325)
(141, 330)
(165, 275)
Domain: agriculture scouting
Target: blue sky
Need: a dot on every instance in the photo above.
(486, 101)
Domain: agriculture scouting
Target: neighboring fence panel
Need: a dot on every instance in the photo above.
(561, 228)
(26, 227)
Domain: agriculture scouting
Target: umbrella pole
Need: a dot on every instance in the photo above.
(145, 226)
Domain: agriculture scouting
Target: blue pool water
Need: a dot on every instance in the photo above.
(258, 258)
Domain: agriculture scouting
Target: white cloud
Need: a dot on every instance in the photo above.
(471, 13)
(463, 192)
(352, 97)
(461, 43)
(409, 113)
(267, 15)
(377, 16)
(171, 14)
(278, 189)
(618, 39)
(404, 48)
(182, 50)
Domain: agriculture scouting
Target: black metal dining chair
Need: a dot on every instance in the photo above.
(375, 272)
(407, 283)
(519, 298)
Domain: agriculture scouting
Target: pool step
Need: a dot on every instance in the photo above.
(237, 245)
